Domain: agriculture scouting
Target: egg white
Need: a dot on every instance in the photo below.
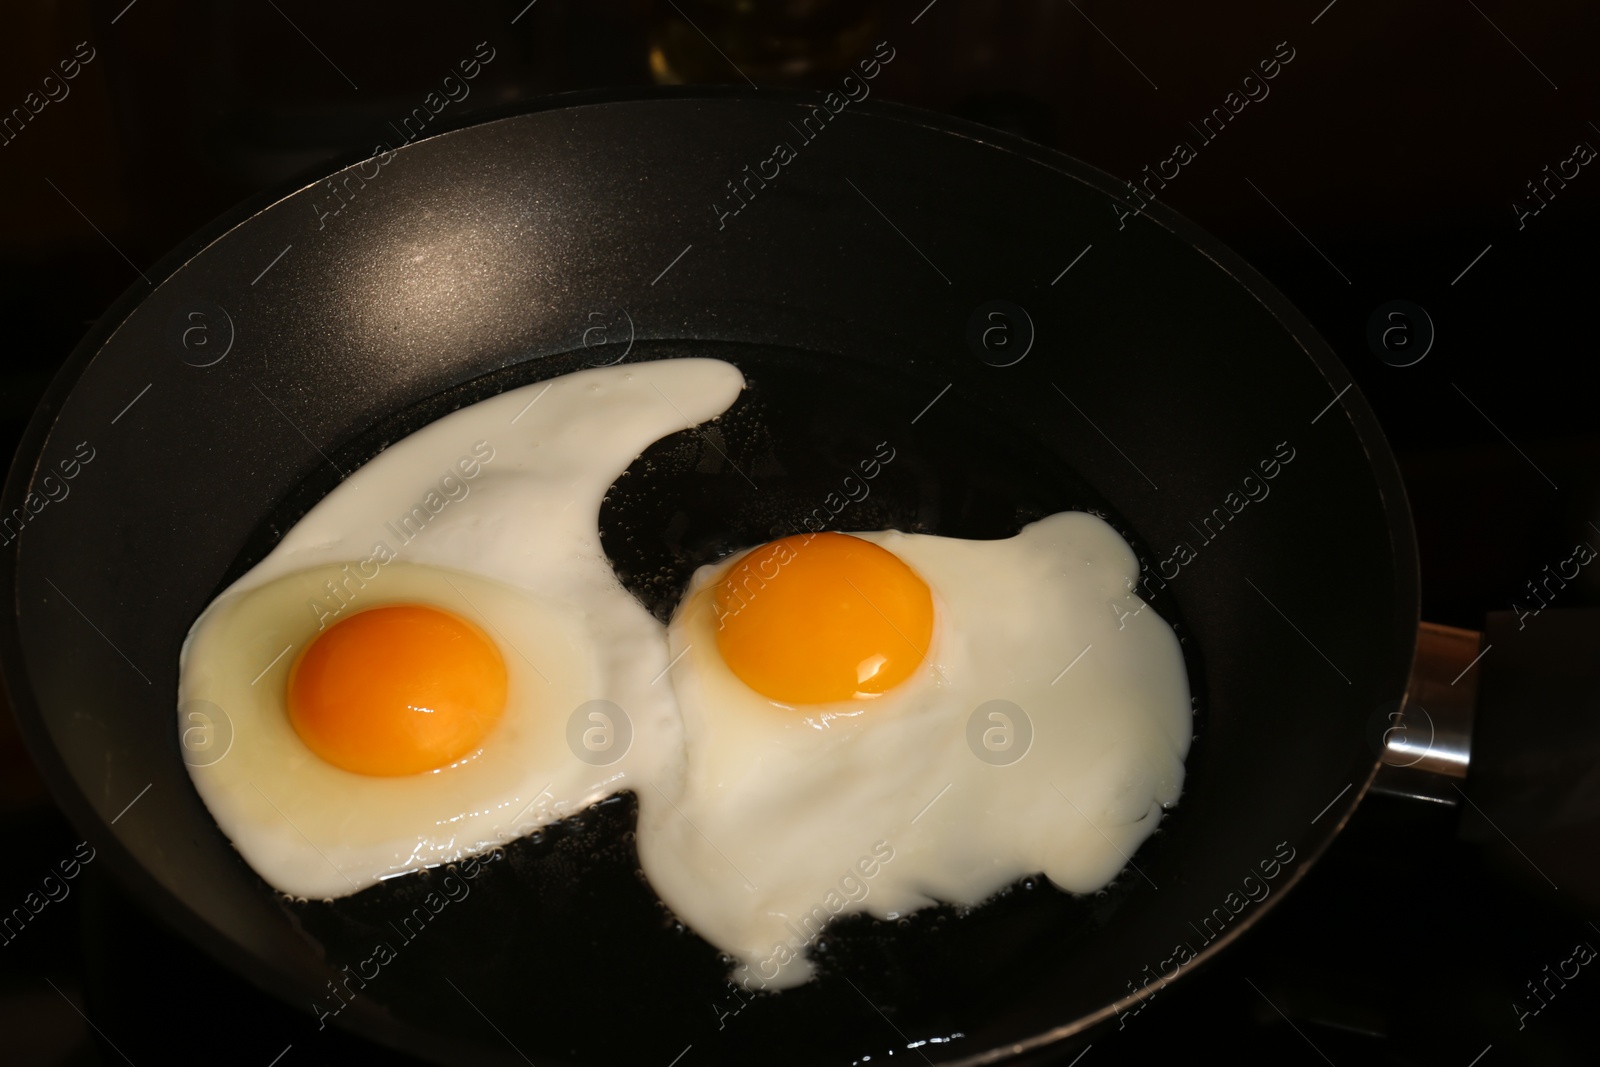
(501, 498)
(787, 816)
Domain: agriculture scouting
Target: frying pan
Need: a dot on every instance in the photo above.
(1140, 370)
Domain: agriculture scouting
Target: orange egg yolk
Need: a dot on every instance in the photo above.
(818, 618)
(397, 690)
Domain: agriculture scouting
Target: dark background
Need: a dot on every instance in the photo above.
(1385, 160)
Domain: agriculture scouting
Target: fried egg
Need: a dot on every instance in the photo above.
(438, 658)
(878, 721)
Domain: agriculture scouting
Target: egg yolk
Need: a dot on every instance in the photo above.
(817, 618)
(397, 690)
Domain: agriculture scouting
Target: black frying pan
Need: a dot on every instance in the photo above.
(854, 289)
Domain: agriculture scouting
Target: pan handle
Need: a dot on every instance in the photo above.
(1426, 742)
(1506, 721)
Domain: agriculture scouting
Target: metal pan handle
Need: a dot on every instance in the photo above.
(1504, 724)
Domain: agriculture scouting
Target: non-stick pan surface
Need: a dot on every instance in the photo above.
(1141, 370)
